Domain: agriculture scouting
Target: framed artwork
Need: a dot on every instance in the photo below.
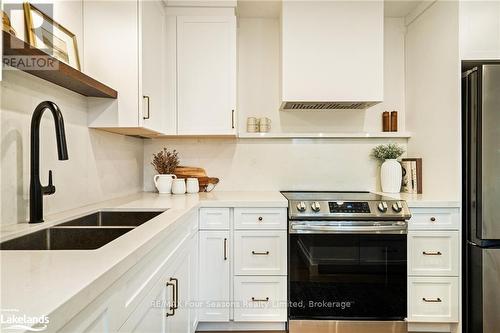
(51, 37)
(412, 175)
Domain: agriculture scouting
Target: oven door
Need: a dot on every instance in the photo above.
(334, 276)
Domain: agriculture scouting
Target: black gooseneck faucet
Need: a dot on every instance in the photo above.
(37, 191)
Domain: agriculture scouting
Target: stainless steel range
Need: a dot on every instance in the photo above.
(346, 262)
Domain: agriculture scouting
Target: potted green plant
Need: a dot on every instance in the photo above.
(165, 162)
(390, 171)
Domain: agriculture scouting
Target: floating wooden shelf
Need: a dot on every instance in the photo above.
(63, 75)
(353, 135)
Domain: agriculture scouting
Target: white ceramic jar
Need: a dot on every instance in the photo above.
(192, 185)
(179, 186)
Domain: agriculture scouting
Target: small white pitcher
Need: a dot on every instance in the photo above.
(164, 182)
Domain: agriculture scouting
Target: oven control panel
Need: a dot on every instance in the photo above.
(349, 207)
(366, 210)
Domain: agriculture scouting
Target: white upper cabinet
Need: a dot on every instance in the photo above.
(206, 75)
(125, 48)
(480, 30)
(332, 51)
(152, 20)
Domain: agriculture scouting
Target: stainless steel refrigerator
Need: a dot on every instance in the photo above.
(481, 196)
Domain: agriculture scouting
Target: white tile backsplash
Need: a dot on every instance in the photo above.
(285, 164)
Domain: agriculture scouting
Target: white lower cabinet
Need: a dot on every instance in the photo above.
(433, 269)
(433, 253)
(151, 313)
(243, 268)
(214, 258)
(433, 299)
(153, 295)
(100, 317)
(260, 218)
(214, 218)
(179, 280)
(167, 307)
(260, 252)
(260, 298)
(434, 218)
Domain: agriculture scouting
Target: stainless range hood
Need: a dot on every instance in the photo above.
(291, 106)
(332, 55)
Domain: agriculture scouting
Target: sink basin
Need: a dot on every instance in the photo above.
(113, 219)
(65, 239)
(89, 232)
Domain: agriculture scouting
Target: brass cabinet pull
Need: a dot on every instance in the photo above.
(260, 299)
(260, 218)
(176, 304)
(225, 248)
(433, 219)
(260, 253)
(432, 300)
(172, 308)
(431, 253)
(147, 98)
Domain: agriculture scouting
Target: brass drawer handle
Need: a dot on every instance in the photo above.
(149, 110)
(260, 218)
(260, 299)
(225, 248)
(432, 300)
(176, 305)
(260, 253)
(172, 308)
(433, 219)
(431, 253)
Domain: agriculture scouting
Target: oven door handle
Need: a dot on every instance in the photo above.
(376, 229)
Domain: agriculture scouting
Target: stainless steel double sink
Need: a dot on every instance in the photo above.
(89, 232)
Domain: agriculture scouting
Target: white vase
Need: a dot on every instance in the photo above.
(163, 183)
(390, 176)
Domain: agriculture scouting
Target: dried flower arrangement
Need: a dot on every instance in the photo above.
(165, 161)
(387, 152)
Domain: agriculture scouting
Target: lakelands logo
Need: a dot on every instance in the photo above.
(11, 319)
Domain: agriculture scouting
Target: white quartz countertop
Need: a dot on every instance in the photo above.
(424, 200)
(38, 283)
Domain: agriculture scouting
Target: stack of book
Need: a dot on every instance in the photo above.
(412, 175)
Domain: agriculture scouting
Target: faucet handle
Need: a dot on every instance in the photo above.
(49, 189)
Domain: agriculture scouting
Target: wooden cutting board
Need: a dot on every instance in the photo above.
(195, 172)
(189, 172)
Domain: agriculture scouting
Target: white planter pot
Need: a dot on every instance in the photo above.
(390, 176)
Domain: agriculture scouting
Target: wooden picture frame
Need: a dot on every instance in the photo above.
(50, 36)
(412, 175)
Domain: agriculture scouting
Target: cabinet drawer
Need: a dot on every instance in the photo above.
(214, 218)
(434, 218)
(433, 253)
(260, 298)
(260, 218)
(260, 253)
(433, 299)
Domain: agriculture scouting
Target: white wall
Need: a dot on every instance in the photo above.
(433, 97)
(100, 165)
(480, 30)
